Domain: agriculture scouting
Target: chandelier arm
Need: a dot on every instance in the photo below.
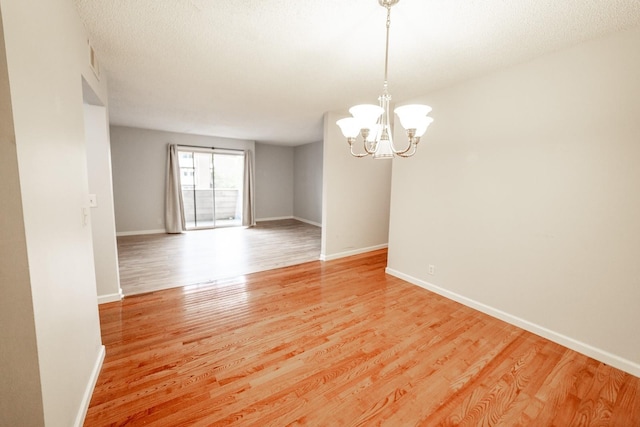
(412, 146)
(412, 143)
(359, 155)
(369, 150)
(350, 141)
(369, 146)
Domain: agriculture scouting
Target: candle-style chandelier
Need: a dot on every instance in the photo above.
(372, 121)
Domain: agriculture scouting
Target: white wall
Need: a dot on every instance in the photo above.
(139, 161)
(20, 393)
(355, 197)
(524, 196)
(274, 181)
(307, 182)
(47, 55)
(103, 226)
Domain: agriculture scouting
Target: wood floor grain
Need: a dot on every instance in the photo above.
(161, 261)
(339, 343)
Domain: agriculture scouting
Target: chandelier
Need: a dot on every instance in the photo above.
(372, 121)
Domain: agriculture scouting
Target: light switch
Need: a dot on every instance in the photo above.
(93, 201)
(85, 217)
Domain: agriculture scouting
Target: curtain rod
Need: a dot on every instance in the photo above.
(212, 148)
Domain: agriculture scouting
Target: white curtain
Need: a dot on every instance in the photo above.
(248, 205)
(174, 207)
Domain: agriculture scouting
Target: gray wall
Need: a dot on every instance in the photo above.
(139, 159)
(524, 196)
(288, 179)
(307, 182)
(274, 181)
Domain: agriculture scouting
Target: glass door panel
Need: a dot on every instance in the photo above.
(228, 182)
(211, 188)
(204, 201)
(187, 180)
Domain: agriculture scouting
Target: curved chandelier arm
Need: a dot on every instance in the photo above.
(410, 151)
(369, 146)
(350, 141)
(411, 147)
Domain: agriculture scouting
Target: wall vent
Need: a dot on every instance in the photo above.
(93, 61)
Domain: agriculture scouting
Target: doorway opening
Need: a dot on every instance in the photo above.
(212, 186)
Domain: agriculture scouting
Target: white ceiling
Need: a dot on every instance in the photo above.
(267, 70)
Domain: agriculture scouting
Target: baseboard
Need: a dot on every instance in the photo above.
(163, 231)
(331, 257)
(102, 299)
(140, 232)
(306, 221)
(275, 218)
(86, 398)
(586, 349)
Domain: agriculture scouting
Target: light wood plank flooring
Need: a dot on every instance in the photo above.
(339, 343)
(160, 261)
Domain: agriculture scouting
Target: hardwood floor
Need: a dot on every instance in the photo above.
(339, 343)
(160, 261)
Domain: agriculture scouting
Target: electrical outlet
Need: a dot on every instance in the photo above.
(432, 269)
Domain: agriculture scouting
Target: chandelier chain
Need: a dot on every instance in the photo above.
(386, 53)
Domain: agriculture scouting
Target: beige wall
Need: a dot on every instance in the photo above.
(355, 197)
(47, 55)
(524, 196)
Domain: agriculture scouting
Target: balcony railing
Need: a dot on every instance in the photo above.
(228, 207)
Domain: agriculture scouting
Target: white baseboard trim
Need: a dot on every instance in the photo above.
(586, 349)
(140, 232)
(275, 218)
(331, 257)
(86, 398)
(102, 299)
(306, 221)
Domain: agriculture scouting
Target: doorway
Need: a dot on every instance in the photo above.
(212, 186)
(101, 207)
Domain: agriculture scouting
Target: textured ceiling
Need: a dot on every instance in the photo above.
(267, 70)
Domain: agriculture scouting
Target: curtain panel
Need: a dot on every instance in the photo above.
(174, 207)
(248, 194)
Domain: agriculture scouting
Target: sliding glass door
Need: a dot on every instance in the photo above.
(211, 188)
